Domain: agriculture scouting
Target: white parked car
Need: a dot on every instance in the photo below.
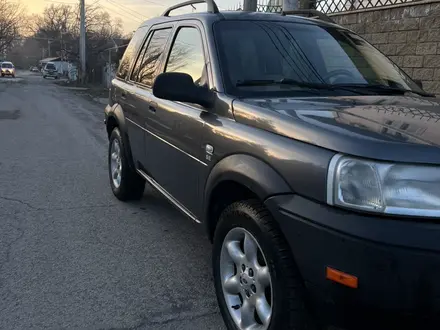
(50, 70)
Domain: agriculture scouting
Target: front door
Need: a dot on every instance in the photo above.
(174, 146)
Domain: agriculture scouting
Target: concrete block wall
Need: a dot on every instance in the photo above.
(408, 33)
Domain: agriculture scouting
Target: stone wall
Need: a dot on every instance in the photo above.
(409, 34)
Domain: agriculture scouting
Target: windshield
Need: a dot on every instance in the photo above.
(7, 66)
(50, 67)
(274, 51)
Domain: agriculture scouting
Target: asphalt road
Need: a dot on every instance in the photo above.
(71, 255)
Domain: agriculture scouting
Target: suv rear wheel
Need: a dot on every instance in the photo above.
(256, 280)
(125, 182)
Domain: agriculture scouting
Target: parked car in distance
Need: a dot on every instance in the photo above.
(34, 69)
(310, 158)
(7, 69)
(50, 70)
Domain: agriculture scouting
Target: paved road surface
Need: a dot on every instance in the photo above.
(71, 255)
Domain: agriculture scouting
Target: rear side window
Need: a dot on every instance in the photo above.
(137, 65)
(148, 61)
(186, 54)
(130, 52)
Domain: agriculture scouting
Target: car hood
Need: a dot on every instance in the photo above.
(390, 128)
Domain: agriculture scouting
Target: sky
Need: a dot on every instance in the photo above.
(132, 12)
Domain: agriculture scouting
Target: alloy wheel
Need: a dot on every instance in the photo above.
(116, 163)
(246, 281)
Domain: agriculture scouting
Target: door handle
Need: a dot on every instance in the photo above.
(123, 95)
(152, 107)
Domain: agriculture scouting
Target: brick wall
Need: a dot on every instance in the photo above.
(408, 33)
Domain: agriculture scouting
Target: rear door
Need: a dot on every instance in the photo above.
(175, 143)
(142, 77)
(123, 93)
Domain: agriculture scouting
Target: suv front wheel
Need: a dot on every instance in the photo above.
(126, 184)
(256, 280)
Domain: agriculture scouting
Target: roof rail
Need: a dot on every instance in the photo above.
(310, 12)
(212, 6)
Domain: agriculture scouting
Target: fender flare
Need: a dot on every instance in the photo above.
(256, 175)
(117, 113)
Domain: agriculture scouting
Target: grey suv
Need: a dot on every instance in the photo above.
(310, 158)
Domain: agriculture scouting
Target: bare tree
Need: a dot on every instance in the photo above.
(59, 26)
(10, 23)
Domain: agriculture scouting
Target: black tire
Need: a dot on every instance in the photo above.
(132, 184)
(44, 77)
(289, 303)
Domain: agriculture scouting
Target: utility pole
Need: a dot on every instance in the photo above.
(250, 5)
(109, 69)
(61, 47)
(290, 5)
(82, 40)
(48, 46)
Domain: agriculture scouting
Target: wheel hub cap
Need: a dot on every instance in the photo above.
(115, 163)
(246, 281)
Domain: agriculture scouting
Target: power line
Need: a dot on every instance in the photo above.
(128, 16)
(156, 3)
(125, 8)
(123, 15)
(61, 2)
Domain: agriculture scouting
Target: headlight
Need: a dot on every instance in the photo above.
(384, 187)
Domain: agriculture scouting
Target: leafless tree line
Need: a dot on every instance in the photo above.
(11, 19)
(55, 32)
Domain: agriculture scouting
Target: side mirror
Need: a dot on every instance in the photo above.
(419, 83)
(176, 86)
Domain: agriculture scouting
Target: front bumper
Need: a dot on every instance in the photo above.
(396, 261)
(8, 73)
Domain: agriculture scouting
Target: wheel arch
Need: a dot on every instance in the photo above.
(116, 118)
(238, 177)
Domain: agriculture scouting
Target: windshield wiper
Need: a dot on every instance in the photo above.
(298, 83)
(363, 89)
(266, 82)
(381, 88)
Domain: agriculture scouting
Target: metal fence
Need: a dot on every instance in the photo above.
(329, 6)
(336, 6)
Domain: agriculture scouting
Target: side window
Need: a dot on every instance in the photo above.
(186, 55)
(130, 52)
(137, 66)
(146, 72)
